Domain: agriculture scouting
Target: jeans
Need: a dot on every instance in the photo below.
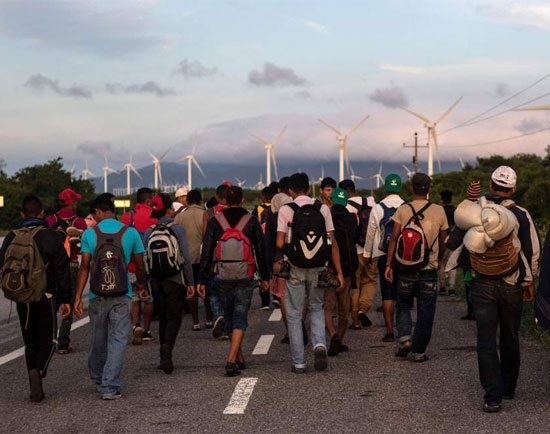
(497, 305)
(110, 325)
(423, 285)
(302, 282)
(235, 299)
(169, 300)
(213, 294)
(63, 340)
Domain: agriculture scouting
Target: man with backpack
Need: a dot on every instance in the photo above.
(169, 268)
(380, 229)
(498, 299)
(140, 219)
(107, 249)
(38, 296)
(233, 245)
(417, 243)
(303, 230)
(70, 228)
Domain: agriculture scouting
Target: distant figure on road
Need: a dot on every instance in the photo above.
(37, 317)
(450, 276)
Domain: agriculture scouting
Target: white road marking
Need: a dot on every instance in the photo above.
(276, 315)
(21, 351)
(262, 347)
(241, 395)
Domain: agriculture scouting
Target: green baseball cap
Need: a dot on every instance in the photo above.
(393, 183)
(339, 196)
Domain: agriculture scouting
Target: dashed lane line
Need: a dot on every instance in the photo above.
(262, 347)
(276, 315)
(241, 395)
(21, 351)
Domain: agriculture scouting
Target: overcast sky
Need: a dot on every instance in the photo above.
(80, 78)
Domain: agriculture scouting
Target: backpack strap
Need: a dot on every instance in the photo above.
(354, 204)
(222, 221)
(295, 207)
(243, 222)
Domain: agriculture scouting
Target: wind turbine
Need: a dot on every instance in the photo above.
(239, 182)
(378, 177)
(190, 161)
(353, 176)
(86, 172)
(432, 136)
(259, 185)
(157, 169)
(106, 171)
(408, 171)
(342, 142)
(270, 155)
(130, 168)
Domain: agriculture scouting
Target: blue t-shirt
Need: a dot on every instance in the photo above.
(131, 243)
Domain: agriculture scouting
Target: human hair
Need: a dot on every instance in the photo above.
(234, 195)
(446, 196)
(495, 187)
(275, 186)
(420, 190)
(348, 185)
(299, 183)
(268, 193)
(143, 194)
(194, 197)
(31, 206)
(220, 191)
(284, 184)
(104, 202)
(328, 182)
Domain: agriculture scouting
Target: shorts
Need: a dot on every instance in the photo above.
(337, 304)
(135, 294)
(235, 299)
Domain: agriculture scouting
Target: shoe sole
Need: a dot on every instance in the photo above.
(403, 352)
(217, 330)
(321, 361)
(491, 409)
(136, 338)
(37, 394)
(166, 363)
(111, 397)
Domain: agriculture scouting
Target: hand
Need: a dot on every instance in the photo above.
(342, 281)
(190, 292)
(201, 289)
(529, 292)
(65, 310)
(388, 274)
(78, 308)
(264, 286)
(143, 294)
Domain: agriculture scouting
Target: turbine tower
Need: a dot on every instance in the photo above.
(106, 171)
(130, 168)
(432, 136)
(270, 155)
(157, 169)
(86, 172)
(190, 161)
(342, 143)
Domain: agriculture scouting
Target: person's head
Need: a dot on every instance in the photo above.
(109, 196)
(104, 207)
(181, 195)
(221, 192)
(421, 184)
(348, 185)
(284, 185)
(68, 198)
(162, 206)
(144, 196)
(31, 207)
(339, 196)
(194, 197)
(327, 185)
(446, 196)
(503, 181)
(268, 193)
(234, 196)
(392, 183)
(275, 186)
(299, 184)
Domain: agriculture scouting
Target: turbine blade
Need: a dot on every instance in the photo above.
(326, 124)
(164, 155)
(361, 122)
(133, 169)
(538, 107)
(196, 163)
(436, 145)
(279, 136)
(418, 115)
(444, 115)
(154, 157)
(274, 160)
(265, 142)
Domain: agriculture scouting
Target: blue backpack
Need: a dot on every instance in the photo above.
(386, 227)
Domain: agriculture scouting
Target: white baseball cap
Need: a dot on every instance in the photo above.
(504, 176)
(182, 192)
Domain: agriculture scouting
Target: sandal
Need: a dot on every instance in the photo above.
(404, 350)
(196, 327)
(64, 350)
(208, 324)
(354, 327)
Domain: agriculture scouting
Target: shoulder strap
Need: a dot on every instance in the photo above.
(222, 221)
(293, 205)
(317, 204)
(385, 207)
(243, 222)
(354, 204)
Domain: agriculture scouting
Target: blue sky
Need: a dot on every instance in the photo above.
(80, 79)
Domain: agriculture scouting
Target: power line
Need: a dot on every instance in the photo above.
(500, 140)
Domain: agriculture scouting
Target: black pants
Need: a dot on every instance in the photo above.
(169, 299)
(39, 327)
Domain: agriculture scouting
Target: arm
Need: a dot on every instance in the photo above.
(441, 241)
(388, 272)
(259, 253)
(187, 266)
(83, 274)
(371, 232)
(335, 257)
(208, 246)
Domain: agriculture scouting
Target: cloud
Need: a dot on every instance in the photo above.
(316, 26)
(529, 125)
(147, 87)
(303, 94)
(532, 15)
(402, 68)
(502, 90)
(39, 83)
(391, 97)
(94, 149)
(273, 75)
(195, 69)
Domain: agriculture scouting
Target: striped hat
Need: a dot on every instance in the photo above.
(474, 191)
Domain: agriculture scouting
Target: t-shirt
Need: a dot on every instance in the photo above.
(434, 221)
(286, 214)
(131, 243)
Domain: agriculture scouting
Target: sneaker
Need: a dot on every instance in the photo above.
(403, 351)
(231, 369)
(35, 383)
(240, 365)
(219, 324)
(452, 293)
(334, 346)
(365, 321)
(166, 363)
(208, 324)
(276, 304)
(491, 407)
(196, 327)
(321, 362)
(147, 336)
(510, 395)
(442, 291)
(112, 396)
(388, 337)
(137, 333)
(285, 340)
(298, 370)
(265, 307)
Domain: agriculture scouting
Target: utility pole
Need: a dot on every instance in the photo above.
(415, 156)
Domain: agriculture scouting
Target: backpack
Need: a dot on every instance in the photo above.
(109, 271)
(163, 258)
(233, 254)
(386, 227)
(412, 250)
(363, 212)
(62, 225)
(24, 278)
(309, 247)
(345, 233)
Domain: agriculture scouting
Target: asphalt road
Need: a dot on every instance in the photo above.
(364, 391)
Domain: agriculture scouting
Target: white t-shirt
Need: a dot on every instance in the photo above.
(286, 214)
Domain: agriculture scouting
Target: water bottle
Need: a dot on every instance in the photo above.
(288, 235)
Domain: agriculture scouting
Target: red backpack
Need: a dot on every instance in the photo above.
(233, 255)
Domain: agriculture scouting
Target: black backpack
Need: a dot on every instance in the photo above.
(345, 232)
(109, 271)
(363, 212)
(309, 247)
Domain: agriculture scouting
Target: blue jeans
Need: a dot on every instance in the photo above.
(235, 299)
(497, 305)
(63, 339)
(302, 282)
(110, 325)
(215, 302)
(423, 285)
